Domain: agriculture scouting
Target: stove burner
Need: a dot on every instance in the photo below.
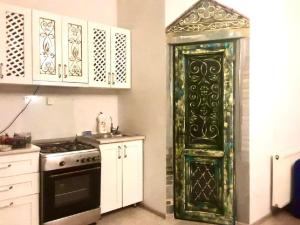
(64, 147)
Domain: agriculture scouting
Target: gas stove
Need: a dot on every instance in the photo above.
(70, 182)
(67, 153)
(66, 146)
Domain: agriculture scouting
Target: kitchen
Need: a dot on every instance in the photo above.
(144, 109)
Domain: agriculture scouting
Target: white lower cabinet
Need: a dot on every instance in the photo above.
(24, 210)
(121, 174)
(19, 189)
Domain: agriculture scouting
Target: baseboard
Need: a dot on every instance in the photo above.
(262, 220)
(162, 215)
(239, 223)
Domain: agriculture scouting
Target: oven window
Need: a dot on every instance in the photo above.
(72, 190)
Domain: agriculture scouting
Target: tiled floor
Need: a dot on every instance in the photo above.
(140, 216)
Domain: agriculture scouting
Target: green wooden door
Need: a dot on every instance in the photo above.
(203, 132)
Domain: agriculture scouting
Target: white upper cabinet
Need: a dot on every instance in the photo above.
(74, 44)
(15, 45)
(59, 48)
(42, 48)
(109, 56)
(120, 58)
(46, 41)
(99, 55)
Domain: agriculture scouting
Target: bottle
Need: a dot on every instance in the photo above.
(102, 123)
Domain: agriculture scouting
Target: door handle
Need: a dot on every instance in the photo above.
(119, 152)
(65, 71)
(125, 151)
(6, 206)
(5, 167)
(59, 70)
(6, 189)
(1, 71)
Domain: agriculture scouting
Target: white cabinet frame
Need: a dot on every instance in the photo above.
(68, 50)
(15, 28)
(48, 26)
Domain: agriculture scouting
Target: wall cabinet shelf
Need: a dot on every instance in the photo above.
(109, 56)
(121, 175)
(59, 48)
(41, 48)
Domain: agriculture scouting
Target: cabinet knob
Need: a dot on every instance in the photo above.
(109, 77)
(125, 151)
(119, 152)
(1, 72)
(65, 71)
(113, 78)
(59, 70)
(6, 206)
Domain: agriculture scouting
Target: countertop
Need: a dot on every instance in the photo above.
(93, 139)
(30, 148)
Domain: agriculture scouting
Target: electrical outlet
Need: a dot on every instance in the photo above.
(27, 99)
(50, 101)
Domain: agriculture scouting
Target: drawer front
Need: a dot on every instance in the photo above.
(11, 165)
(19, 211)
(18, 186)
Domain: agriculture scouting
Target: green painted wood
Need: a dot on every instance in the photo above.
(203, 132)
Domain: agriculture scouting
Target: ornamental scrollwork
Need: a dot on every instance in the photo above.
(208, 15)
(204, 80)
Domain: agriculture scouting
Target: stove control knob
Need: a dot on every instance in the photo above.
(83, 160)
(62, 163)
(88, 159)
(94, 158)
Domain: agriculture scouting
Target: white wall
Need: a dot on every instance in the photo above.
(85, 103)
(143, 109)
(274, 93)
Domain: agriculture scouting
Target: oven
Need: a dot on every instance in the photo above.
(70, 191)
(70, 188)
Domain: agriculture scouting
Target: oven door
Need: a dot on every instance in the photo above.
(70, 191)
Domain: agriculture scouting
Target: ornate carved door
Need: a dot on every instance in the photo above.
(203, 132)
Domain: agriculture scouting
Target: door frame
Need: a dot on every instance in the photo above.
(241, 39)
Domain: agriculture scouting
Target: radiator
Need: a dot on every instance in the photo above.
(282, 178)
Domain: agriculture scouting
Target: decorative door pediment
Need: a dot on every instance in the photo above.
(208, 15)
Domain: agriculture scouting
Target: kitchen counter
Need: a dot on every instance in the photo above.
(95, 140)
(31, 148)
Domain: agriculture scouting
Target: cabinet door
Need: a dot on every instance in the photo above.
(15, 45)
(99, 55)
(74, 43)
(46, 44)
(18, 211)
(111, 177)
(132, 172)
(120, 58)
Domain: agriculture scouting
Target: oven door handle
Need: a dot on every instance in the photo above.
(75, 172)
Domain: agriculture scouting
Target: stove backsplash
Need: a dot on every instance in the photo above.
(68, 112)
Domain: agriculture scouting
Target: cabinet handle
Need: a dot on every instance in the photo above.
(6, 206)
(119, 152)
(5, 167)
(113, 78)
(59, 70)
(1, 72)
(109, 78)
(65, 71)
(6, 189)
(125, 151)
